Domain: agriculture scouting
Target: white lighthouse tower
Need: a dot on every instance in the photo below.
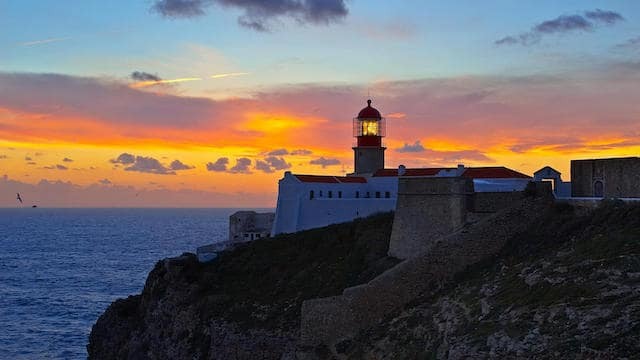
(368, 129)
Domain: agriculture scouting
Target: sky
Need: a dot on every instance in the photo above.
(206, 103)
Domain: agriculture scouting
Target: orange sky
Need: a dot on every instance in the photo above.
(70, 129)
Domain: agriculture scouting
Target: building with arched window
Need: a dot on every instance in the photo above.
(309, 201)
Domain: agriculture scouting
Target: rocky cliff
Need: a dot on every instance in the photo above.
(246, 303)
(568, 286)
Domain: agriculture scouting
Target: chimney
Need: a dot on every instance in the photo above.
(401, 170)
(460, 170)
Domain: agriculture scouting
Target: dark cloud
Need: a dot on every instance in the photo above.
(278, 152)
(149, 165)
(144, 76)
(179, 165)
(272, 163)
(301, 152)
(263, 166)
(105, 182)
(411, 148)
(56, 167)
(219, 166)
(325, 162)
(181, 8)
(124, 159)
(3, 157)
(27, 158)
(31, 163)
(607, 17)
(242, 166)
(67, 160)
(258, 14)
(563, 24)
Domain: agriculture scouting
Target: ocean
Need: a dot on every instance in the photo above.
(61, 268)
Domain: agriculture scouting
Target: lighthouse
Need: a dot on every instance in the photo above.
(368, 129)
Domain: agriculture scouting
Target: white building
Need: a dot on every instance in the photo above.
(310, 201)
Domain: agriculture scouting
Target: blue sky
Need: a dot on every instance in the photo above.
(378, 40)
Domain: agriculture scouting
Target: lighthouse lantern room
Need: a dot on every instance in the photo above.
(368, 129)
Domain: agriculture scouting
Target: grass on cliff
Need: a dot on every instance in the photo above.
(263, 283)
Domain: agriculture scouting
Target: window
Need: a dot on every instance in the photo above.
(368, 195)
(357, 194)
(330, 194)
(320, 193)
(387, 194)
(377, 194)
(246, 235)
(258, 236)
(340, 194)
(311, 195)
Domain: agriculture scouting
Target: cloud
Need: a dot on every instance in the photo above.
(149, 165)
(607, 17)
(44, 41)
(120, 105)
(124, 159)
(241, 167)
(263, 166)
(48, 193)
(563, 24)
(324, 162)
(278, 152)
(633, 43)
(301, 152)
(272, 163)
(179, 165)
(144, 76)
(27, 158)
(219, 166)
(56, 167)
(409, 148)
(67, 160)
(31, 163)
(277, 163)
(105, 182)
(259, 14)
(3, 157)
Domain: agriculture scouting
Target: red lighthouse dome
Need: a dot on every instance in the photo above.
(369, 112)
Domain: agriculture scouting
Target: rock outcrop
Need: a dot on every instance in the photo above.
(566, 286)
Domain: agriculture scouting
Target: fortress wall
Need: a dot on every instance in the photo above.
(490, 202)
(427, 209)
(620, 177)
(330, 320)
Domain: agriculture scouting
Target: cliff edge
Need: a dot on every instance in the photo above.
(246, 303)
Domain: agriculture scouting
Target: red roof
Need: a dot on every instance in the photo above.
(409, 172)
(351, 179)
(369, 112)
(496, 172)
(330, 179)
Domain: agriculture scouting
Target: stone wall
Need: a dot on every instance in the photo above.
(331, 320)
(491, 202)
(426, 210)
(619, 177)
(249, 223)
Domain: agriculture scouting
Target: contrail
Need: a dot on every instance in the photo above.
(219, 76)
(45, 41)
(141, 84)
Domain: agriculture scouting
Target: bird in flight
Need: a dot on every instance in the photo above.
(18, 197)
